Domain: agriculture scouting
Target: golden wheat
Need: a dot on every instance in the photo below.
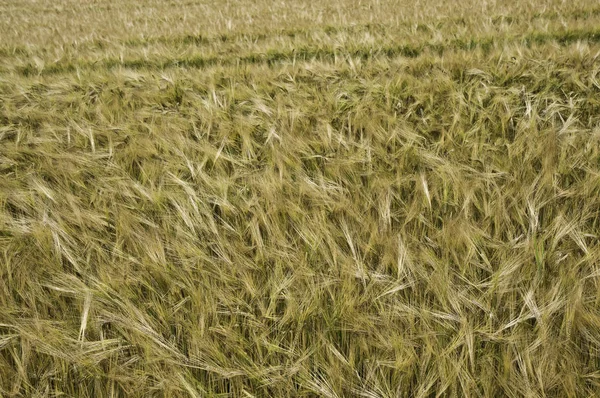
(269, 199)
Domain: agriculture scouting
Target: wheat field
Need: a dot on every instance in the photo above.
(342, 198)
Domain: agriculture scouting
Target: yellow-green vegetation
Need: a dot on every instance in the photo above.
(333, 198)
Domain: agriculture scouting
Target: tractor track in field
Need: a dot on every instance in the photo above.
(273, 57)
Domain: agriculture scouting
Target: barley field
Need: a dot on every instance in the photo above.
(335, 198)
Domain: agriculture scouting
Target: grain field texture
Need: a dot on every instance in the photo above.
(336, 198)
